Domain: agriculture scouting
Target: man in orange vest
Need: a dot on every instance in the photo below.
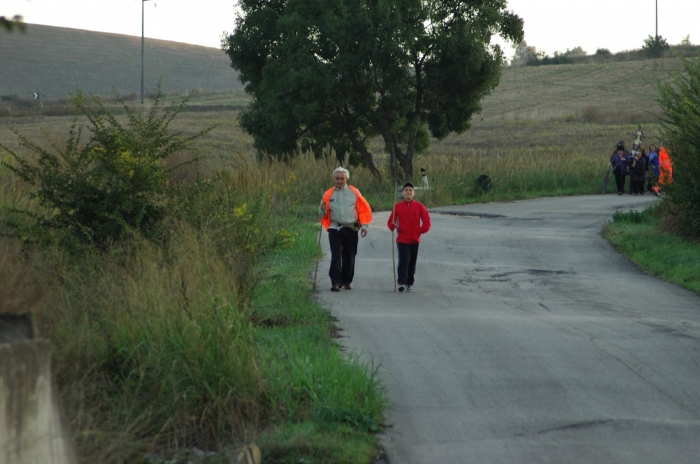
(344, 212)
(665, 166)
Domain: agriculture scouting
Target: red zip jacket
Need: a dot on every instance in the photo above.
(412, 220)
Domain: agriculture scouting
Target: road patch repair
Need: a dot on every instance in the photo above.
(466, 214)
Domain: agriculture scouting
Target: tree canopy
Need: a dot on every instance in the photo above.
(525, 54)
(338, 72)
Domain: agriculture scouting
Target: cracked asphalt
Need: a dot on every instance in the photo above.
(528, 339)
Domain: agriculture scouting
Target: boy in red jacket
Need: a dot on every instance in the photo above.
(412, 220)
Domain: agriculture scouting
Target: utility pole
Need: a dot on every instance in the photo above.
(657, 22)
(142, 42)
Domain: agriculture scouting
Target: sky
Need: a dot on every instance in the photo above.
(550, 25)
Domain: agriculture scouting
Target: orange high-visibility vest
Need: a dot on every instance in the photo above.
(665, 167)
(364, 212)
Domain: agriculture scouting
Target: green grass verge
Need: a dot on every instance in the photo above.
(638, 236)
(327, 406)
(310, 443)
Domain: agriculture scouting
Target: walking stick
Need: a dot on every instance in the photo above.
(393, 253)
(318, 254)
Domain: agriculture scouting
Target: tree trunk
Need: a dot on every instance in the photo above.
(405, 159)
(406, 162)
(411, 149)
(366, 155)
(388, 137)
(396, 153)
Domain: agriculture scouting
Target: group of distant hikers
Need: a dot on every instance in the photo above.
(653, 168)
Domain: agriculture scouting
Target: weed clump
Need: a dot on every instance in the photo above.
(95, 192)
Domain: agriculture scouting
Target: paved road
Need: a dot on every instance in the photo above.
(528, 340)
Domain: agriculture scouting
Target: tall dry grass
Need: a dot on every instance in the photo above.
(153, 349)
(156, 345)
(298, 185)
(23, 289)
(192, 341)
(160, 346)
(514, 173)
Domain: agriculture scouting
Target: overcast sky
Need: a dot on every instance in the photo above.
(550, 25)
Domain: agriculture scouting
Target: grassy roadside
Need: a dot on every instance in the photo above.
(638, 235)
(202, 332)
(207, 337)
(330, 403)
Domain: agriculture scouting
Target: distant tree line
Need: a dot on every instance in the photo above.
(13, 23)
(653, 47)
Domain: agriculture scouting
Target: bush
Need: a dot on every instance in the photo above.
(655, 46)
(94, 192)
(680, 102)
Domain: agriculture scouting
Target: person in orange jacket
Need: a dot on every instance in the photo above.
(412, 220)
(665, 166)
(344, 212)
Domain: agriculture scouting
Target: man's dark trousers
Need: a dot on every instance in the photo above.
(408, 255)
(343, 250)
(620, 182)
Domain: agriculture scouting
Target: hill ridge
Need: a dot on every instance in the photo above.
(57, 61)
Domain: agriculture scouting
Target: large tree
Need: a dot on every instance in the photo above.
(338, 72)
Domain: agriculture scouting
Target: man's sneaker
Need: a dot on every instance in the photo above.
(402, 287)
(347, 287)
(335, 288)
(409, 288)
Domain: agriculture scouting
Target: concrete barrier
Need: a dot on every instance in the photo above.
(32, 429)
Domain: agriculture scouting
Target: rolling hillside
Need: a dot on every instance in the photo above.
(56, 61)
(567, 108)
(616, 92)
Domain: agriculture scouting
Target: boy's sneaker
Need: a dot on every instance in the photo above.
(402, 287)
(409, 288)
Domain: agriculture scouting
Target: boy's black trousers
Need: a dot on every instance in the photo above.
(408, 255)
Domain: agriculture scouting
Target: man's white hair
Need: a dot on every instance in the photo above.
(341, 169)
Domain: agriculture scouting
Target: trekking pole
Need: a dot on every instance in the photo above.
(607, 178)
(393, 254)
(318, 254)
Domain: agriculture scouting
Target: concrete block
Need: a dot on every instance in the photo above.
(32, 429)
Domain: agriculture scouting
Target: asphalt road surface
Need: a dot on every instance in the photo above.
(528, 339)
